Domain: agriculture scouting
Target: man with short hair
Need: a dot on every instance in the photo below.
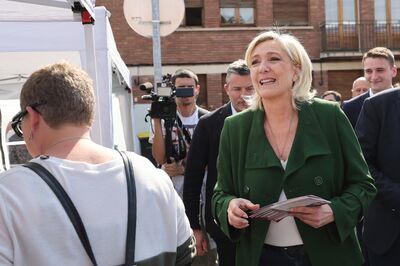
(202, 158)
(332, 96)
(379, 70)
(187, 116)
(360, 86)
(86, 213)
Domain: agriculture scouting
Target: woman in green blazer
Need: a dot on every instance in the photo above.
(288, 145)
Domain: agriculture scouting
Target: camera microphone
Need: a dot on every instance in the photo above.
(147, 86)
(147, 97)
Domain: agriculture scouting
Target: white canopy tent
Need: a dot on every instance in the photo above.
(35, 33)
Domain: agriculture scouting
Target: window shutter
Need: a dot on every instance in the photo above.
(192, 3)
(290, 12)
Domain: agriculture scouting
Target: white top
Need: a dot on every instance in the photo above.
(233, 109)
(283, 233)
(371, 93)
(35, 229)
(189, 123)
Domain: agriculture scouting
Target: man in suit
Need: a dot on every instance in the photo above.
(202, 158)
(360, 86)
(379, 70)
(378, 130)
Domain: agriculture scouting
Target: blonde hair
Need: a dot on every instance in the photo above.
(301, 90)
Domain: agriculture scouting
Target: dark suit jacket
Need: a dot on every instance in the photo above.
(353, 106)
(378, 131)
(202, 156)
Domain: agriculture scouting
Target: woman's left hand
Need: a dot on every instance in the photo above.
(314, 216)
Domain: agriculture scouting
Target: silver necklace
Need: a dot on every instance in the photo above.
(62, 141)
(280, 151)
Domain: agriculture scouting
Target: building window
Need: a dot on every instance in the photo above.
(396, 11)
(341, 16)
(387, 11)
(193, 13)
(341, 11)
(380, 17)
(387, 23)
(349, 11)
(290, 12)
(331, 11)
(237, 13)
(193, 16)
(341, 30)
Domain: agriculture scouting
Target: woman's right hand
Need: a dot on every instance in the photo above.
(237, 216)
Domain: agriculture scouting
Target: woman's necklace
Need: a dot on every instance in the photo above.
(280, 151)
(62, 141)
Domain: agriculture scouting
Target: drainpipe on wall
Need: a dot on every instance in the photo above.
(359, 25)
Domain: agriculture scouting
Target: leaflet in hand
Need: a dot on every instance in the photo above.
(279, 210)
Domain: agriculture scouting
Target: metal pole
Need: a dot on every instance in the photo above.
(91, 68)
(156, 43)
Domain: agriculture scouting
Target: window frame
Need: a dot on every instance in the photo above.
(237, 7)
(388, 13)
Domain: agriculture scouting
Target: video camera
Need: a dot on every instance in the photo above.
(163, 104)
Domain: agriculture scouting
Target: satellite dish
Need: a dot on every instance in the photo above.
(138, 14)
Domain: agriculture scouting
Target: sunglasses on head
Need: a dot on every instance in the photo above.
(17, 119)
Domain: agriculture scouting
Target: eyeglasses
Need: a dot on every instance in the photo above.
(17, 119)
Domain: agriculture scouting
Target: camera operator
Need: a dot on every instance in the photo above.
(187, 116)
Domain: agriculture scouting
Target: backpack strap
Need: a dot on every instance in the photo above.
(67, 203)
(132, 210)
(75, 218)
(184, 130)
(200, 113)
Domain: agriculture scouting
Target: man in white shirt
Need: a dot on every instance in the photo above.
(187, 116)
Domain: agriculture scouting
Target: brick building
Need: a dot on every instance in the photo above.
(216, 32)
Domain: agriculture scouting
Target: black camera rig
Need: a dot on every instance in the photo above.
(163, 106)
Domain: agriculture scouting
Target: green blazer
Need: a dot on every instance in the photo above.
(325, 160)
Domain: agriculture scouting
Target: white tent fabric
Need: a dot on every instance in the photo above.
(42, 10)
(34, 35)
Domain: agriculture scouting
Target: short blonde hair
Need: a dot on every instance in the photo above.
(301, 91)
